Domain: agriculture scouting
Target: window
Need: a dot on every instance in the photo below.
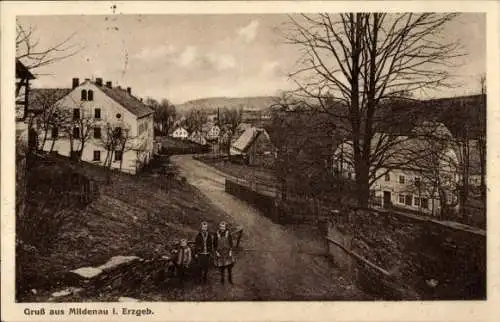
(118, 132)
(401, 179)
(424, 203)
(76, 132)
(90, 95)
(55, 132)
(417, 202)
(401, 198)
(408, 200)
(97, 155)
(349, 175)
(387, 177)
(84, 95)
(97, 113)
(118, 155)
(76, 113)
(118, 115)
(97, 132)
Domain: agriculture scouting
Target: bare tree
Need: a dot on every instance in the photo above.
(86, 123)
(229, 120)
(45, 101)
(352, 62)
(110, 140)
(195, 119)
(433, 155)
(164, 116)
(33, 55)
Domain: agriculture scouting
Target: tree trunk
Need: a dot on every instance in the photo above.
(362, 184)
(45, 140)
(80, 152)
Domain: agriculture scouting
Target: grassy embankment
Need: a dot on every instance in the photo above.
(132, 215)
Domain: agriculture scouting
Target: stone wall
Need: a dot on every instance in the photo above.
(401, 256)
(265, 203)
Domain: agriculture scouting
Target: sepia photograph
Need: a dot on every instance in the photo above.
(205, 157)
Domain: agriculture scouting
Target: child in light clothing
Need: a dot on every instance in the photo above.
(183, 260)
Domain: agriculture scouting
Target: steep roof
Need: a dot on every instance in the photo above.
(245, 141)
(128, 101)
(119, 95)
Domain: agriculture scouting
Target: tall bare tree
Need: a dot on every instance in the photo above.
(229, 119)
(433, 154)
(45, 100)
(352, 62)
(164, 116)
(86, 123)
(33, 55)
(195, 119)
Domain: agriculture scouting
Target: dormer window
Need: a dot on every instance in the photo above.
(84, 95)
(90, 95)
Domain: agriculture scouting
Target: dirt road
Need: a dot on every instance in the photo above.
(274, 263)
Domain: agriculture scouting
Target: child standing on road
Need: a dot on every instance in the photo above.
(183, 260)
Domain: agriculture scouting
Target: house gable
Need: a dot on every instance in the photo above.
(111, 111)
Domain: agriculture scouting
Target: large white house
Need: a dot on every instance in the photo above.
(420, 174)
(105, 108)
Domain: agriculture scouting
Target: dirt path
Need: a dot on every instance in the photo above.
(274, 264)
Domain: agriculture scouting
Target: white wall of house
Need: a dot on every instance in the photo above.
(213, 133)
(400, 183)
(180, 133)
(141, 130)
(402, 186)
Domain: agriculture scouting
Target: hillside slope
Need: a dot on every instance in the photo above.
(133, 215)
(256, 103)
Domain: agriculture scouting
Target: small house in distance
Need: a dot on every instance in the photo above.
(213, 132)
(198, 137)
(253, 147)
(180, 133)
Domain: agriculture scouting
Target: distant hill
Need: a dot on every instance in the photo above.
(255, 103)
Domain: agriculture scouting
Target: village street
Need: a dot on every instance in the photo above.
(273, 263)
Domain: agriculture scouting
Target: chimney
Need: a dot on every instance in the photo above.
(129, 90)
(108, 84)
(98, 81)
(76, 82)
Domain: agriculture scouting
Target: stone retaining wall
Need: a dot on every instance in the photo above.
(400, 256)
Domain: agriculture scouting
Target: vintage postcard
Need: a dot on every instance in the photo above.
(256, 161)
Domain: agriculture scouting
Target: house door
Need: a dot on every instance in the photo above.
(387, 199)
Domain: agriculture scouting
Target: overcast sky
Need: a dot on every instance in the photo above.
(184, 57)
